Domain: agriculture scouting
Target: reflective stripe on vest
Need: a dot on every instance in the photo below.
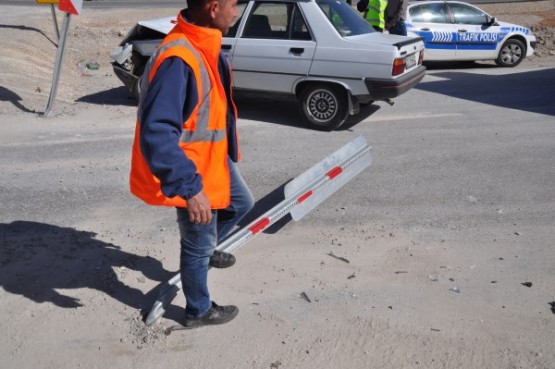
(375, 14)
(201, 133)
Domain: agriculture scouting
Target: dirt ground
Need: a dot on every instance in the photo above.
(92, 319)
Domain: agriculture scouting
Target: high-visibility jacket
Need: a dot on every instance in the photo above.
(375, 13)
(204, 136)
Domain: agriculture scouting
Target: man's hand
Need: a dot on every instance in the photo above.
(199, 209)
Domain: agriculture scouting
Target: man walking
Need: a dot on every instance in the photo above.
(395, 14)
(186, 146)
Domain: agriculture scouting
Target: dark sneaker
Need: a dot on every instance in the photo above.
(221, 259)
(216, 315)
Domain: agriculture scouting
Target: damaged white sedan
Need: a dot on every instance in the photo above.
(319, 52)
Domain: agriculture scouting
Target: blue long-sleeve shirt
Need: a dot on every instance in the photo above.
(174, 85)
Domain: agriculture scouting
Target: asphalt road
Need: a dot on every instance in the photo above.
(479, 136)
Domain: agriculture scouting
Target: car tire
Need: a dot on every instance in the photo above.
(324, 106)
(511, 54)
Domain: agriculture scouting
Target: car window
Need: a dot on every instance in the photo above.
(241, 5)
(299, 30)
(278, 20)
(463, 14)
(344, 18)
(429, 13)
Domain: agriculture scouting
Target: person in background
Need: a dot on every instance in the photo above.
(186, 146)
(374, 12)
(395, 17)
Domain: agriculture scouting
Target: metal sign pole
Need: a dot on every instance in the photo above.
(55, 21)
(58, 66)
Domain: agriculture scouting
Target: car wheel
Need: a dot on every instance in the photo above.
(511, 54)
(324, 106)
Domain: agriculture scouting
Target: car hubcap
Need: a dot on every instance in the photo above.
(322, 105)
(511, 54)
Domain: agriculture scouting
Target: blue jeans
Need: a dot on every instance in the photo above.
(198, 242)
(399, 28)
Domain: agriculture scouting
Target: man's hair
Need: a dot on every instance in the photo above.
(197, 4)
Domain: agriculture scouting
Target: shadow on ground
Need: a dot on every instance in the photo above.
(39, 260)
(467, 64)
(286, 113)
(115, 96)
(12, 97)
(32, 29)
(519, 90)
(250, 106)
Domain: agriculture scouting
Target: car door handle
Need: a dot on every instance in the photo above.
(226, 47)
(425, 29)
(462, 30)
(297, 50)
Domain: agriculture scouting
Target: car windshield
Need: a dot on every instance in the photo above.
(344, 18)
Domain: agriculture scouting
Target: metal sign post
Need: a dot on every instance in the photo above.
(53, 11)
(302, 195)
(69, 7)
(58, 65)
(55, 20)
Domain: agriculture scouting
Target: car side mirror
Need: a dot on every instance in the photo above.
(490, 20)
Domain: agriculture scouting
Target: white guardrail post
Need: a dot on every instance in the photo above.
(302, 195)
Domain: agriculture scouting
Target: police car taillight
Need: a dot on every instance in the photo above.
(421, 57)
(398, 66)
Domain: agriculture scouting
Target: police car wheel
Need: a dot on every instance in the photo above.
(323, 106)
(511, 54)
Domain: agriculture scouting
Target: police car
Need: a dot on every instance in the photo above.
(454, 30)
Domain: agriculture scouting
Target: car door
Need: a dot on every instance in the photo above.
(477, 37)
(432, 22)
(274, 48)
(230, 39)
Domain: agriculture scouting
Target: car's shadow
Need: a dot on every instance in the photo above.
(282, 111)
(516, 90)
(268, 109)
(285, 112)
(114, 96)
(453, 65)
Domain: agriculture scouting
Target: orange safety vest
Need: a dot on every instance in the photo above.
(204, 135)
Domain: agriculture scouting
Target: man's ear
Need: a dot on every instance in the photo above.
(213, 8)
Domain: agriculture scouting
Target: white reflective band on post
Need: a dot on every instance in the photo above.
(302, 195)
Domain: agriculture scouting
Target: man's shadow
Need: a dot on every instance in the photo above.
(40, 260)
